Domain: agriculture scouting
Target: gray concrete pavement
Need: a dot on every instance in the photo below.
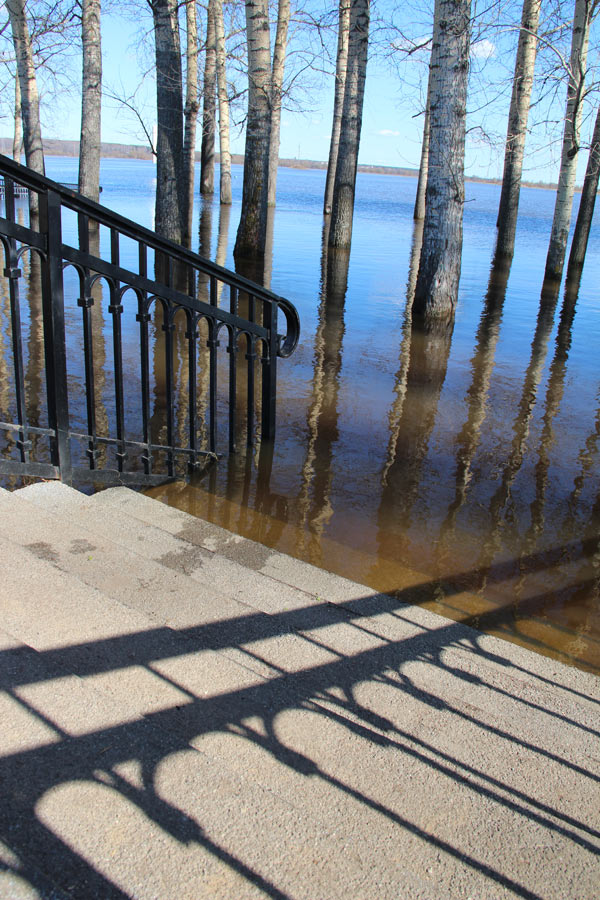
(187, 714)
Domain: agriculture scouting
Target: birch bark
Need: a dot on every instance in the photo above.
(207, 148)
(342, 212)
(190, 116)
(517, 129)
(419, 211)
(283, 21)
(586, 206)
(436, 290)
(570, 148)
(91, 101)
(169, 108)
(341, 66)
(18, 132)
(251, 234)
(224, 151)
(30, 104)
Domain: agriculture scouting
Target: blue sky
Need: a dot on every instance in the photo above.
(391, 133)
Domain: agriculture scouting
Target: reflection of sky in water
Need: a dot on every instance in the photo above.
(340, 518)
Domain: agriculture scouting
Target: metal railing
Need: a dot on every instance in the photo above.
(183, 409)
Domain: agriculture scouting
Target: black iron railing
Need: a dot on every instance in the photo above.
(180, 356)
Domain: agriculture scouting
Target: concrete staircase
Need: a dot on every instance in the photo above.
(187, 714)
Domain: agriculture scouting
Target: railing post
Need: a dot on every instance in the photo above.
(53, 306)
(269, 373)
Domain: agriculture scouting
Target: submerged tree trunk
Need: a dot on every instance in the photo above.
(517, 129)
(251, 235)
(224, 151)
(207, 148)
(439, 269)
(341, 66)
(91, 101)
(30, 104)
(283, 21)
(18, 132)
(338, 101)
(419, 212)
(169, 107)
(342, 211)
(586, 206)
(192, 105)
(570, 148)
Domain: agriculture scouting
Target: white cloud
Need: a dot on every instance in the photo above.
(386, 132)
(483, 49)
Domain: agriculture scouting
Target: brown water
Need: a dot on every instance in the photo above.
(455, 468)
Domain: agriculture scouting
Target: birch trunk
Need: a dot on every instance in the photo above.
(251, 235)
(570, 148)
(169, 107)
(419, 212)
(18, 133)
(586, 206)
(342, 212)
(190, 114)
(207, 149)
(439, 269)
(283, 21)
(30, 104)
(341, 67)
(224, 151)
(91, 101)
(517, 129)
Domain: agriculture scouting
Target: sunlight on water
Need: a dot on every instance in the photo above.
(457, 469)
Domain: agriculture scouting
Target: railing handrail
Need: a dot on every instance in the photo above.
(104, 216)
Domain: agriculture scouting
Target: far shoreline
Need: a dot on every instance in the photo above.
(56, 147)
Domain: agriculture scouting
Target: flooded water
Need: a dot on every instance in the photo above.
(457, 469)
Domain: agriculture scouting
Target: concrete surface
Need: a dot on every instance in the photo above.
(187, 714)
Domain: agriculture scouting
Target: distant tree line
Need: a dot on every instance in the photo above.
(274, 48)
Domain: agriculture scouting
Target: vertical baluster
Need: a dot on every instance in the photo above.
(54, 332)
(13, 273)
(269, 373)
(213, 343)
(143, 317)
(168, 328)
(86, 302)
(232, 349)
(192, 337)
(116, 309)
(250, 356)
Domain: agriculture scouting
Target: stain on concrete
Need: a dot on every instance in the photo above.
(80, 545)
(43, 551)
(217, 540)
(187, 560)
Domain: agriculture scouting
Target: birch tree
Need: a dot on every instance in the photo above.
(18, 132)
(586, 206)
(190, 113)
(419, 210)
(224, 151)
(30, 104)
(517, 128)
(341, 66)
(91, 101)
(169, 108)
(342, 212)
(207, 148)
(283, 21)
(251, 234)
(571, 141)
(439, 268)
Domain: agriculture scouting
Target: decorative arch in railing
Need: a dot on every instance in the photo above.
(168, 315)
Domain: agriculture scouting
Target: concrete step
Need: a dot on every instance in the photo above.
(167, 740)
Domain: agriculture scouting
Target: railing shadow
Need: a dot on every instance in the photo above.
(337, 714)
